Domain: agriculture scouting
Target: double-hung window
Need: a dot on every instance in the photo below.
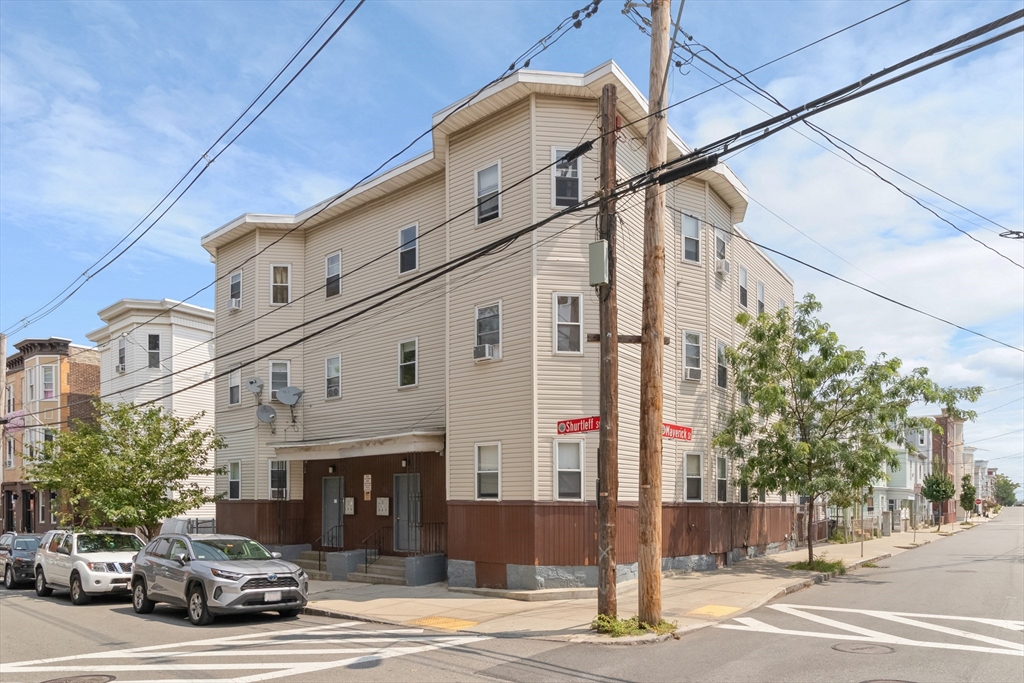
(691, 239)
(49, 382)
(488, 470)
(722, 479)
(278, 479)
(782, 304)
(691, 356)
(760, 298)
(408, 370)
(235, 387)
(694, 481)
(488, 199)
(9, 454)
(744, 493)
(719, 245)
(408, 242)
(569, 470)
(279, 376)
(568, 323)
(332, 373)
(234, 480)
(153, 350)
(743, 287)
(9, 398)
(723, 370)
(30, 383)
(235, 290)
(280, 284)
(122, 354)
(333, 274)
(488, 324)
(566, 178)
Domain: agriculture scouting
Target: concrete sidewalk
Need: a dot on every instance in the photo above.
(694, 600)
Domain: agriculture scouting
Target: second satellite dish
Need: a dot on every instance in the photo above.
(254, 384)
(266, 413)
(289, 395)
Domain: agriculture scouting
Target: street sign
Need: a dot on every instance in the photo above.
(977, 501)
(579, 425)
(670, 431)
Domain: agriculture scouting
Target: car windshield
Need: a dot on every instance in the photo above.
(108, 543)
(229, 549)
(26, 543)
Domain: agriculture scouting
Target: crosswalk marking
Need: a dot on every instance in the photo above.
(915, 620)
(188, 656)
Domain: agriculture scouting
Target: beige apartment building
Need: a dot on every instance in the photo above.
(452, 421)
(49, 383)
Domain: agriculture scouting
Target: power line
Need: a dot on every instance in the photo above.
(205, 156)
(844, 280)
(974, 441)
(1002, 406)
(1009, 386)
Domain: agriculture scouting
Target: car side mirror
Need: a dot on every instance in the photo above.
(180, 558)
(276, 556)
(5, 547)
(63, 551)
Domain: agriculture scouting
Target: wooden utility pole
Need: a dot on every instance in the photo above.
(608, 449)
(652, 346)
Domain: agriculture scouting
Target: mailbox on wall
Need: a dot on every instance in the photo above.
(382, 507)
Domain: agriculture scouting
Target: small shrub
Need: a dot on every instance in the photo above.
(870, 565)
(617, 628)
(821, 564)
(838, 537)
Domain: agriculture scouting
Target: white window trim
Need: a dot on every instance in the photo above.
(416, 341)
(239, 480)
(122, 351)
(682, 238)
(237, 371)
(327, 360)
(476, 193)
(782, 304)
(30, 384)
(232, 277)
(718, 479)
(699, 477)
(760, 298)
(42, 497)
(742, 283)
(327, 261)
(270, 488)
(476, 468)
(719, 344)
(720, 235)
(579, 175)
(270, 375)
(700, 355)
(501, 325)
(583, 467)
(42, 382)
(271, 292)
(416, 249)
(9, 453)
(554, 324)
(9, 398)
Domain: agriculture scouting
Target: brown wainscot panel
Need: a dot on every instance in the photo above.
(274, 522)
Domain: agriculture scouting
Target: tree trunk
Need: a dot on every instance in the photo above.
(810, 532)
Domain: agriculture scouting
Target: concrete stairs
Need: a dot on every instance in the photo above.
(309, 560)
(385, 570)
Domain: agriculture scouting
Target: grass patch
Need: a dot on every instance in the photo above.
(838, 537)
(870, 565)
(967, 524)
(820, 564)
(616, 628)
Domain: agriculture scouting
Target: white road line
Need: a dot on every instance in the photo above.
(872, 635)
(951, 631)
(1001, 623)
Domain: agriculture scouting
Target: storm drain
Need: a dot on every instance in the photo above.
(863, 648)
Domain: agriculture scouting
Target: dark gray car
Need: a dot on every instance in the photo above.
(212, 574)
(17, 552)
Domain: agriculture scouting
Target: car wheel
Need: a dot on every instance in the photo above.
(198, 613)
(141, 603)
(288, 613)
(9, 578)
(42, 590)
(78, 594)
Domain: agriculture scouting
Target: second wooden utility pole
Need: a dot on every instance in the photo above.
(652, 345)
(608, 449)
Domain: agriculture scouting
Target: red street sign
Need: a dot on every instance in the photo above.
(669, 431)
(977, 501)
(581, 424)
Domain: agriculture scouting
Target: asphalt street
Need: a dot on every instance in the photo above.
(949, 611)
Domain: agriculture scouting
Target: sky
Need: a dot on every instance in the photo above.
(103, 105)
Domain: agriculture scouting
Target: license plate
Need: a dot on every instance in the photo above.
(272, 596)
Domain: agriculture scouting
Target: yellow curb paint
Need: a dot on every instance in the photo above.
(446, 623)
(714, 611)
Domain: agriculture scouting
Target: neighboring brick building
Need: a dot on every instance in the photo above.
(49, 383)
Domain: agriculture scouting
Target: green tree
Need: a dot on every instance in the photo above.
(1003, 489)
(820, 418)
(937, 488)
(129, 468)
(967, 494)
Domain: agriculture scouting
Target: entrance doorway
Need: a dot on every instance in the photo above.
(26, 512)
(332, 517)
(407, 512)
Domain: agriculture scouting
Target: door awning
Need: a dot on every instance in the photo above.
(356, 447)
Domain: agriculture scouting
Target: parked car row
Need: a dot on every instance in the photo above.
(207, 574)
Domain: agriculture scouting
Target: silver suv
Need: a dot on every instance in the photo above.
(86, 563)
(212, 574)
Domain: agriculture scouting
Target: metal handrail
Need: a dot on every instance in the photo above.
(330, 533)
(377, 541)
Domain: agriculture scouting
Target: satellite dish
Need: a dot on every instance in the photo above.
(254, 384)
(289, 395)
(266, 413)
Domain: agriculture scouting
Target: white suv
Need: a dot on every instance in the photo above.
(85, 563)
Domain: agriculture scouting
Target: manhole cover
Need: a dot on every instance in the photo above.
(94, 678)
(863, 648)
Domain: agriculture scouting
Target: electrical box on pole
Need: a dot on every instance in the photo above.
(598, 263)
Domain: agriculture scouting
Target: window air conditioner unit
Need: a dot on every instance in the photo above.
(119, 367)
(692, 375)
(235, 304)
(485, 352)
(722, 266)
(279, 494)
